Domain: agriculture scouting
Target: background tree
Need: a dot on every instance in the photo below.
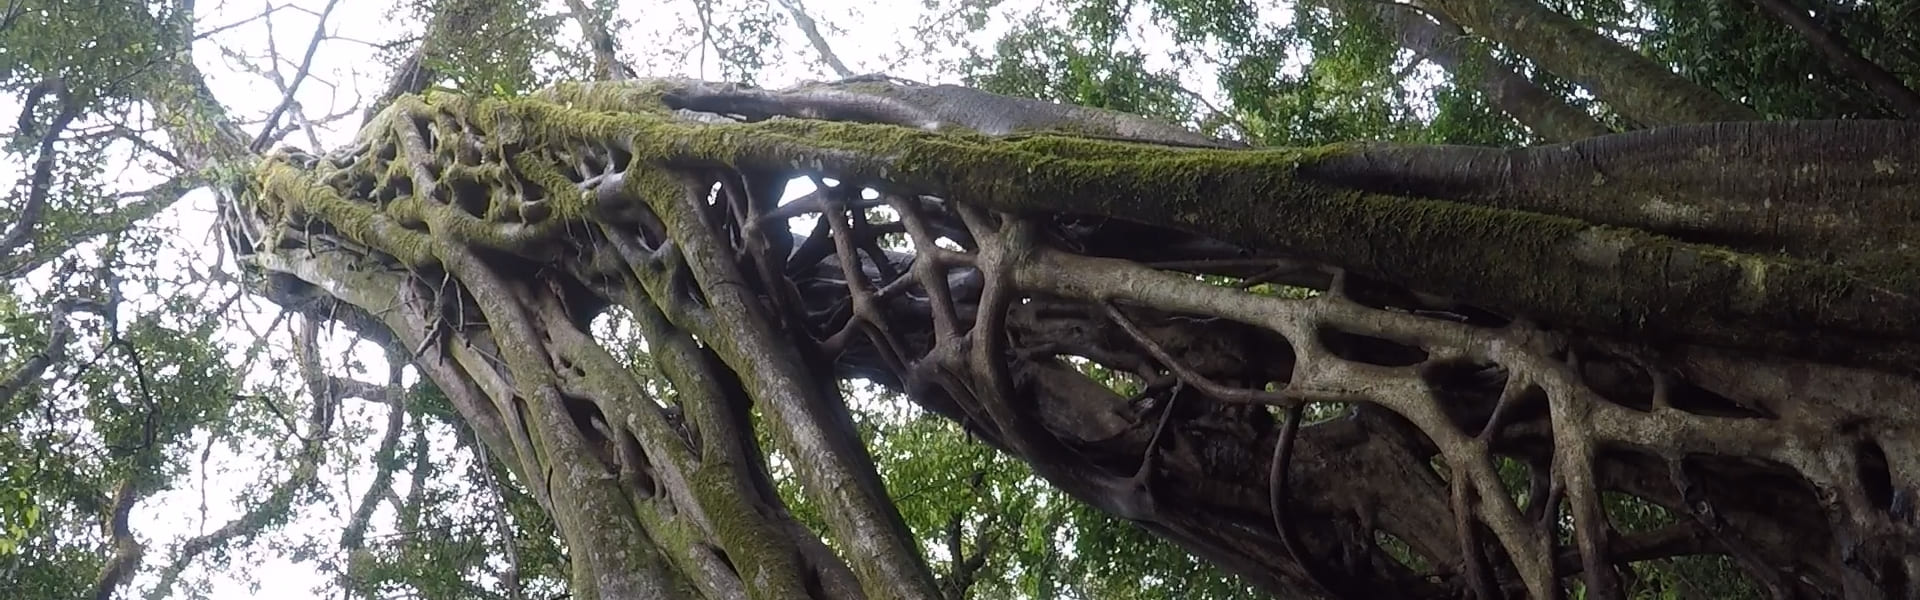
(525, 336)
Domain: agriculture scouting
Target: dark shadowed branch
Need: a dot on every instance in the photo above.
(66, 108)
(127, 551)
(606, 53)
(59, 333)
(1845, 58)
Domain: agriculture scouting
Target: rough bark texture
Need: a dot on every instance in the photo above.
(1456, 301)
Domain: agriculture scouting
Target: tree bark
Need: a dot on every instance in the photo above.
(485, 234)
(1639, 88)
(1549, 117)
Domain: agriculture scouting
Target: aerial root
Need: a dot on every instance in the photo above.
(1277, 496)
(1473, 563)
(1701, 510)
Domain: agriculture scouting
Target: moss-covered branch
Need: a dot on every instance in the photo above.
(1434, 269)
(1609, 279)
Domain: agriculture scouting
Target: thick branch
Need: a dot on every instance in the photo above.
(838, 471)
(606, 58)
(1549, 117)
(1718, 184)
(1846, 59)
(126, 550)
(1605, 279)
(59, 333)
(1634, 85)
(40, 183)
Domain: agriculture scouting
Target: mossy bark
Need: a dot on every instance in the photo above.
(484, 235)
(1521, 255)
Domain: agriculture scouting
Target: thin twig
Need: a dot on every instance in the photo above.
(1224, 393)
(306, 66)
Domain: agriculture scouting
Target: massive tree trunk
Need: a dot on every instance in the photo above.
(1640, 319)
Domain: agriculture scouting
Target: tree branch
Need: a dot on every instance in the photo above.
(59, 333)
(606, 59)
(411, 76)
(306, 67)
(40, 183)
(274, 508)
(807, 26)
(156, 199)
(1844, 58)
(127, 550)
(384, 462)
(1639, 88)
(1446, 45)
(497, 504)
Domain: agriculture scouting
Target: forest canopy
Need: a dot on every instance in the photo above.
(960, 299)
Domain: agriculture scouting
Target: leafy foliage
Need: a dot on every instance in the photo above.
(1024, 538)
(1044, 61)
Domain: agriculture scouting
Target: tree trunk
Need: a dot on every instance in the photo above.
(484, 235)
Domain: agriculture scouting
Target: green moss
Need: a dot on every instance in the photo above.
(1549, 266)
(290, 192)
(637, 96)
